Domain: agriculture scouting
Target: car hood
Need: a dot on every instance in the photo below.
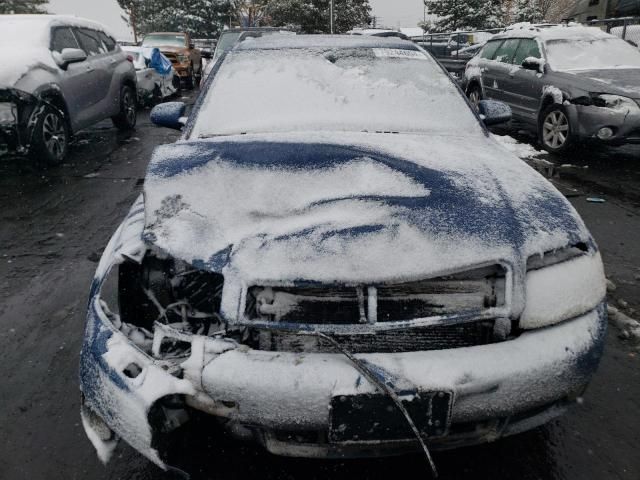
(349, 208)
(169, 49)
(17, 63)
(622, 81)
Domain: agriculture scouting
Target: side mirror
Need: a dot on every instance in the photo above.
(494, 113)
(534, 64)
(169, 115)
(70, 55)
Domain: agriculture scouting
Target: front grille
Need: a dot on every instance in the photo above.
(446, 312)
(471, 292)
(437, 337)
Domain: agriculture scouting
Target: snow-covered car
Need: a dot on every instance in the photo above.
(59, 75)
(156, 77)
(337, 260)
(569, 84)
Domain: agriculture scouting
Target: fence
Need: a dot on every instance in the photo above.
(627, 28)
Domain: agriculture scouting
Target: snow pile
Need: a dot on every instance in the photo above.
(630, 327)
(521, 150)
(376, 89)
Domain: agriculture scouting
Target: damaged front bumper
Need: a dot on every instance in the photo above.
(605, 125)
(18, 116)
(284, 400)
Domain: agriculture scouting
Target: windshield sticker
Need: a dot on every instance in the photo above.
(398, 53)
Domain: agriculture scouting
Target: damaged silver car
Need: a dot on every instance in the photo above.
(338, 260)
(59, 74)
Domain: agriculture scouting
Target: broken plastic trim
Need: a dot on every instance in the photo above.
(364, 370)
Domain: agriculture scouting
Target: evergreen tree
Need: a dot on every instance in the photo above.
(527, 11)
(467, 14)
(313, 16)
(200, 18)
(22, 6)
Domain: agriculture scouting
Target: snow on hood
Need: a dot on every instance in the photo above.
(338, 207)
(619, 81)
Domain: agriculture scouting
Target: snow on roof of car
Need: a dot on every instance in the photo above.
(552, 32)
(276, 42)
(32, 34)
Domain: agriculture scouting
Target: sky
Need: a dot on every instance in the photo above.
(390, 13)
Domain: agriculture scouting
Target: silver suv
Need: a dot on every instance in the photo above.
(570, 84)
(59, 75)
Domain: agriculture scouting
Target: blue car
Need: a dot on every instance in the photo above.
(338, 260)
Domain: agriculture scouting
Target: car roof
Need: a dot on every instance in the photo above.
(40, 21)
(557, 32)
(164, 33)
(276, 42)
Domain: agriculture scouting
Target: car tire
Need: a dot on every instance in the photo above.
(51, 136)
(555, 131)
(474, 94)
(126, 119)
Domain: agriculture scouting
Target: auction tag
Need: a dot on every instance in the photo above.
(398, 53)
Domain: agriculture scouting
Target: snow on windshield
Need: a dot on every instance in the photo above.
(349, 90)
(591, 54)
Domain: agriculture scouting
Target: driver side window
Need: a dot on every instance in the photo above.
(527, 48)
(61, 38)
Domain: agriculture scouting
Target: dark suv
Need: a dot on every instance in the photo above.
(566, 82)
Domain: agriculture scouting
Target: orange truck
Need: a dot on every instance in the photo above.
(179, 48)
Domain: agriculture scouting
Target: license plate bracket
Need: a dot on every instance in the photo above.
(375, 417)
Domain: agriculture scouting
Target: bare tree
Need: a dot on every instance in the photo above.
(249, 12)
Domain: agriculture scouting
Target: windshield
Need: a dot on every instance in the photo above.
(347, 90)
(164, 40)
(591, 54)
(226, 43)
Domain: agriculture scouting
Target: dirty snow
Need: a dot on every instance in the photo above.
(629, 327)
(553, 92)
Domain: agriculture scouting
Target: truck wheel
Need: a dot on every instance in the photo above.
(50, 141)
(554, 129)
(190, 81)
(126, 119)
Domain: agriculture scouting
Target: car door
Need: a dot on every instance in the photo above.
(524, 86)
(74, 78)
(485, 62)
(98, 73)
(501, 67)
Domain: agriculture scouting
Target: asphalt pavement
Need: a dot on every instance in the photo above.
(55, 223)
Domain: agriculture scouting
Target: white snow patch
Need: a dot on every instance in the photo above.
(521, 150)
(554, 92)
(563, 291)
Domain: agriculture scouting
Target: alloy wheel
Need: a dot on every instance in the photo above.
(54, 135)
(555, 129)
(129, 107)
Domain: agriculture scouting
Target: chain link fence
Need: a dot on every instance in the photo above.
(626, 28)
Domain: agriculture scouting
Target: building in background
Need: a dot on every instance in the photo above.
(587, 10)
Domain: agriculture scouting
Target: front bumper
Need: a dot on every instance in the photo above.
(589, 120)
(282, 399)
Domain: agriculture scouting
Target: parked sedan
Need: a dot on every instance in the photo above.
(157, 79)
(567, 83)
(337, 260)
(59, 75)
